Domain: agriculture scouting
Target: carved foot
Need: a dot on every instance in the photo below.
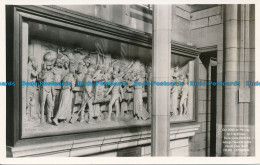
(55, 121)
(43, 120)
(82, 121)
(91, 121)
(50, 121)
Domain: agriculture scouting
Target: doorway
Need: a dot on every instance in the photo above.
(209, 60)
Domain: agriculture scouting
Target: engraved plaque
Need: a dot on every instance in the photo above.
(130, 152)
(244, 95)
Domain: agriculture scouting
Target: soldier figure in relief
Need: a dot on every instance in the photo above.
(80, 73)
(66, 62)
(47, 91)
(88, 97)
(116, 96)
(58, 72)
(87, 63)
(58, 69)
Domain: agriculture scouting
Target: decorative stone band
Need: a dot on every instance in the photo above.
(96, 143)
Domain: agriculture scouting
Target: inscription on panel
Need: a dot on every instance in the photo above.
(244, 95)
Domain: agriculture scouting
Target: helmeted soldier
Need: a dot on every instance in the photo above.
(47, 91)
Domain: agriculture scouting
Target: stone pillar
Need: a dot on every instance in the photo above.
(161, 64)
(250, 57)
(231, 71)
(236, 34)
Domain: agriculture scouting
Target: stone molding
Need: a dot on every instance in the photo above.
(95, 143)
(184, 49)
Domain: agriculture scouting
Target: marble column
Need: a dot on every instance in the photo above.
(161, 64)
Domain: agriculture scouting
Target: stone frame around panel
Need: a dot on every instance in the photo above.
(43, 14)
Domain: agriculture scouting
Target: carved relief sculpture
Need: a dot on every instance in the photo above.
(83, 107)
(179, 93)
(88, 98)
(65, 103)
(175, 90)
(47, 92)
(184, 97)
(139, 112)
(58, 72)
(32, 74)
(117, 95)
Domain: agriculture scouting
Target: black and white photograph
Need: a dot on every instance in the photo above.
(129, 80)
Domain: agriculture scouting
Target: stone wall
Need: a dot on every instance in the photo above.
(178, 147)
(181, 23)
(140, 18)
(203, 28)
(133, 16)
(206, 32)
(106, 143)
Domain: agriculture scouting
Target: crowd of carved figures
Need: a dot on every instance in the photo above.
(87, 103)
(59, 103)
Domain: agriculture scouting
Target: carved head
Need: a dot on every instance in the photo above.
(48, 65)
(91, 70)
(177, 79)
(48, 60)
(133, 74)
(59, 61)
(72, 66)
(63, 49)
(81, 66)
(35, 65)
(87, 61)
(149, 69)
(114, 74)
(176, 68)
(101, 68)
(66, 62)
(139, 75)
(185, 81)
(116, 68)
(181, 77)
(88, 77)
(33, 61)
